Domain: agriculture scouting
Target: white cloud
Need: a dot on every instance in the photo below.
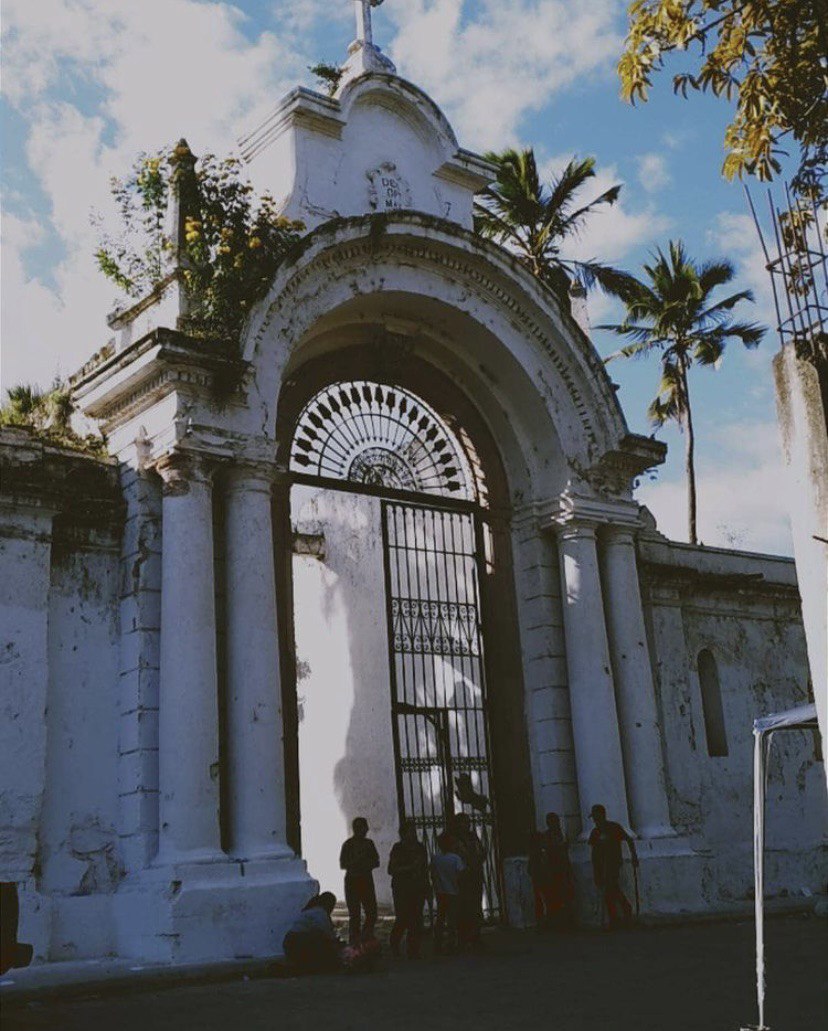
(492, 64)
(99, 80)
(652, 172)
(740, 500)
(97, 83)
(736, 237)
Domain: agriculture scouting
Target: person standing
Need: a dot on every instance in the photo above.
(446, 870)
(359, 858)
(471, 851)
(540, 874)
(408, 867)
(561, 894)
(607, 859)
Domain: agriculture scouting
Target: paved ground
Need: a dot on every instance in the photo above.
(693, 978)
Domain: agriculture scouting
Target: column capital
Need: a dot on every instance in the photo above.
(582, 515)
(180, 469)
(248, 474)
(575, 528)
(619, 533)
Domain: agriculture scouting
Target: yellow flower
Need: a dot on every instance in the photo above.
(255, 243)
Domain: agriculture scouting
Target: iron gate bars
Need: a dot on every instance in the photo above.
(438, 683)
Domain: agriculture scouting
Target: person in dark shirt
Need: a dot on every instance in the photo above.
(470, 849)
(408, 867)
(607, 859)
(359, 859)
(561, 897)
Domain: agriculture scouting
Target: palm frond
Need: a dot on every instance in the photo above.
(714, 273)
(718, 311)
(563, 188)
(636, 350)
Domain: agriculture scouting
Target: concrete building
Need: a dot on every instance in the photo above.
(398, 570)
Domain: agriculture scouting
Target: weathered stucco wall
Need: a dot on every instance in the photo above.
(78, 843)
(800, 405)
(24, 611)
(59, 542)
(743, 609)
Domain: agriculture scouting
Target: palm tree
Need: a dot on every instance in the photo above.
(673, 313)
(30, 406)
(533, 220)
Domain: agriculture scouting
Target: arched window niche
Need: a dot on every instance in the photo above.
(711, 695)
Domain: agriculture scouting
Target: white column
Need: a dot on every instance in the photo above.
(634, 687)
(256, 767)
(598, 760)
(188, 761)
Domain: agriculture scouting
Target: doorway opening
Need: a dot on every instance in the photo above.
(389, 585)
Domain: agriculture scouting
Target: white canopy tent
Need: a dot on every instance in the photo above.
(803, 717)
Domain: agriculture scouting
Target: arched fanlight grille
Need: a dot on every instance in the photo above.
(380, 435)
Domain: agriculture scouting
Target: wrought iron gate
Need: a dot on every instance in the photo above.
(438, 684)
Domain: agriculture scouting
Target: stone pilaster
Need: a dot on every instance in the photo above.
(634, 687)
(188, 761)
(254, 710)
(598, 756)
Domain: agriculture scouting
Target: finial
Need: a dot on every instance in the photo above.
(364, 54)
(364, 29)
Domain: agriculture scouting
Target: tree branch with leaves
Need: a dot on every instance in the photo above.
(771, 56)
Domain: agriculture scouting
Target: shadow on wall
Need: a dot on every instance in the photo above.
(346, 754)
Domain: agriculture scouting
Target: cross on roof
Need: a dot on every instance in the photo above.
(364, 33)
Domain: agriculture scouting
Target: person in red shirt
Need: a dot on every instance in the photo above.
(607, 859)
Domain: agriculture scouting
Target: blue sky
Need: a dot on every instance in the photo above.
(89, 83)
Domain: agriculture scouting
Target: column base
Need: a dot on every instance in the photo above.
(193, 912)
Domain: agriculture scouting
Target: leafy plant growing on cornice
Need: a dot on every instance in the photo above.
(197, 219)
(48, 414)
(328, 76)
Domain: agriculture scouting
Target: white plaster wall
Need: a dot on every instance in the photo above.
(759, 647)
(79, 853)
(346, 753)
(801, 417)
(24, 591)
(320, 154)
(762, 663)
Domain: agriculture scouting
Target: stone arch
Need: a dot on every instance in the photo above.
(510, 755)
(464, 305)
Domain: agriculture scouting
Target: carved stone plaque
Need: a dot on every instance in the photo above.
(387, 189)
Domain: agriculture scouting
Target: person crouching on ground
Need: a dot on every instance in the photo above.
(446, 870)
(408, 867)
(359, 859)
(607, 860)
(311, 944)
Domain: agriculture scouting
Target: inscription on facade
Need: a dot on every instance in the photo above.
(387, 189)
